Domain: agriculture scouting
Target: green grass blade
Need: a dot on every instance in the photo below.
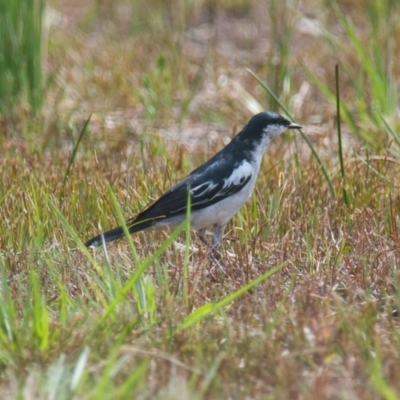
(73, 155)
(339, 131)
(135, 379)
(143, 266)
(99, 271)
(206, 310)
(122, 222)
(71, 231)
(79, 370)
(345, 112)
(391, 131)
(378, 379)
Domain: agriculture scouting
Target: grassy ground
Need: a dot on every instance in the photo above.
(304, 305)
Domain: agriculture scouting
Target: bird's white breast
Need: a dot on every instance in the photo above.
(224, 210)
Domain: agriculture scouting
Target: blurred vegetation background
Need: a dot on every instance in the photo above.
(21, 25)
(169, 61)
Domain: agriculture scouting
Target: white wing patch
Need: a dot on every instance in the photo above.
(242, 172)
(208, 191)
(203, 189)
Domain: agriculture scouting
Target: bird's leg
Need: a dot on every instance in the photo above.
(201, 233)
(217, 238)
(217, 235)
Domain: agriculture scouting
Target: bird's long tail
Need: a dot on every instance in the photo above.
(134, 225)
(108, 236)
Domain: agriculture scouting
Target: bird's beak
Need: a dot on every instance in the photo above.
(294, 126)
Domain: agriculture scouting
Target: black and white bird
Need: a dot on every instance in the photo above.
(217, 189)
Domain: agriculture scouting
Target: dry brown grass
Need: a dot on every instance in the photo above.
(167, 85)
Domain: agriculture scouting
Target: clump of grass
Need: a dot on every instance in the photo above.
(21, 29)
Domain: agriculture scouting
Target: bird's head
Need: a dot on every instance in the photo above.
(270, 124)
(260, 130)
